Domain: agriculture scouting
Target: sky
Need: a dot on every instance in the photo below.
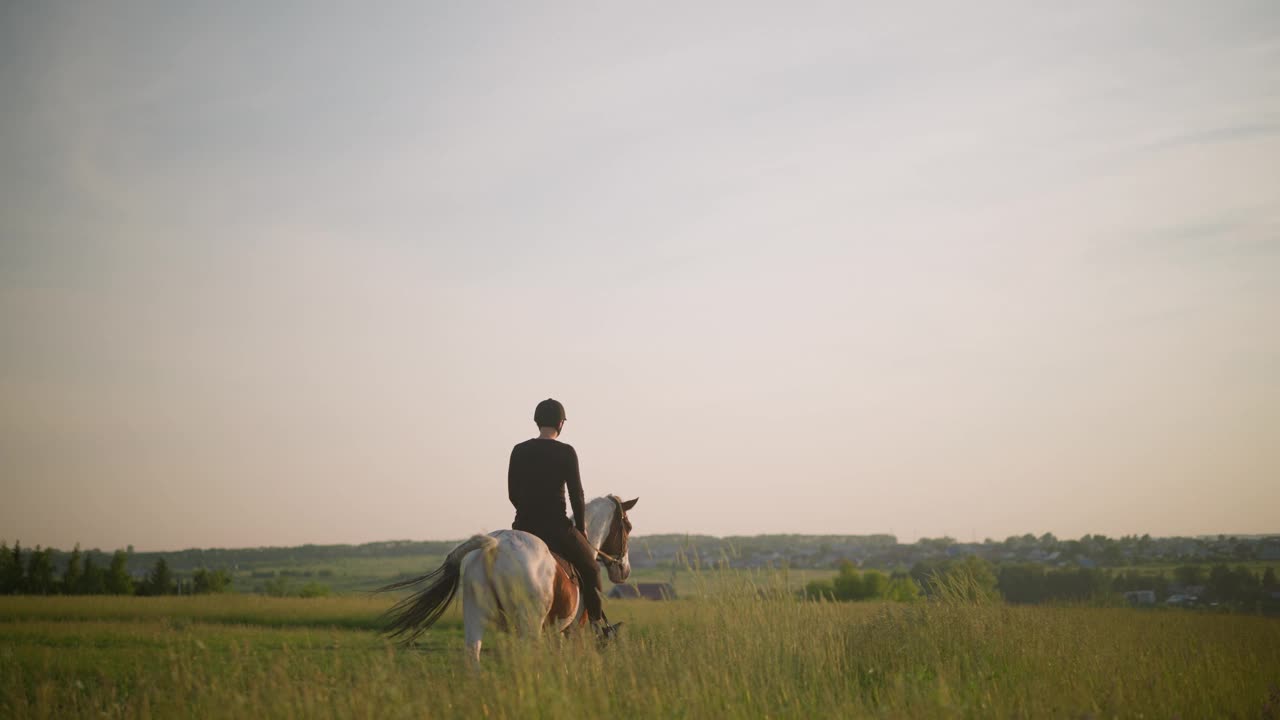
(282, 273)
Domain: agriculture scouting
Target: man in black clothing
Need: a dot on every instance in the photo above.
(540, 471)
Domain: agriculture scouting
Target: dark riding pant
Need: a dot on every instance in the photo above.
(564, 540)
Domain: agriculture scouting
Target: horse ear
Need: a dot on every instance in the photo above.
(630, 503)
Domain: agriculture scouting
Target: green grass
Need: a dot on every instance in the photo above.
(691, 583)
(729, 655)
(353, 612)
(356, 576)
(341, 575)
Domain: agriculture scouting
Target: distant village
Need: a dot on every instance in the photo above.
(885, 552)
(880, 551)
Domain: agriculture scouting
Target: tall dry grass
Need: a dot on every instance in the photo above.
(743, 653)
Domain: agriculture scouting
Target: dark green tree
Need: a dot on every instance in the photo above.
(1023, 583)
(1269, 578)
(1190, 575)
(1161, 586)
(1129, 580)
(1071, 548)
(1144, 545)
(277, 587)
(118, 581)
(12, 582)
(314, 589)
(1111, 553)
(820, 590)
(1250, 583)
(1241, 549)
(902, 588)
(5, 559)
(1223, 585)
(875, 585)
(936, 544)
(210, 581)
(848, 583)
(39, 580)
(1233, 585)
(73, 573)
(851, 585)
(1075, 584)
(93, 581)
(159, 581)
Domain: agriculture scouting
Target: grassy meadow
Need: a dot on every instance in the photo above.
(737, 653)
(342, 576)
(338, 575)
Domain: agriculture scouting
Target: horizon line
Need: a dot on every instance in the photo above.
(955, 540)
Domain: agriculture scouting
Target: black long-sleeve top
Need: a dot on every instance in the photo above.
(539, 472)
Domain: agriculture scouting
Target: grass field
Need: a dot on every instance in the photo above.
(734, 654)
(339, 575)
(354, 576)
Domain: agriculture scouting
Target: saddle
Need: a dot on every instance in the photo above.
(566, 569)
(565, 596)
(568, 580)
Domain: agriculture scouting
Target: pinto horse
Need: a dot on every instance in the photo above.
(512, 580)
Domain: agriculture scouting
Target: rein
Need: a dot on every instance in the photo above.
(606, 558)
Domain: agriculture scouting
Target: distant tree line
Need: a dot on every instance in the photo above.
(279, 586)
(32, 572)
(1233, 587)
(241, 558)
(1027, 583)
(884, 551)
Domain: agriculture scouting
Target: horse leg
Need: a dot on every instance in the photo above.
(523, 605)
(475, 618)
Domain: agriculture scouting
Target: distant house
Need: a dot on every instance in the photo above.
(1191, 548)
(1141, 597)
(963, 549)
(1269, 549)
(648, 591)
(1185, 595)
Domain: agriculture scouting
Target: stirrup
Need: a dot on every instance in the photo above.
(605, 630)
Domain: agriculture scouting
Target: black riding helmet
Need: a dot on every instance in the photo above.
(549, 413)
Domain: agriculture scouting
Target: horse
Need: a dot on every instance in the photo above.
(511, 579)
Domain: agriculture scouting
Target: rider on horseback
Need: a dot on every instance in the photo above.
(539, 472)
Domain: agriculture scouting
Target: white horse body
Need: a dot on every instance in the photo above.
(508, 577)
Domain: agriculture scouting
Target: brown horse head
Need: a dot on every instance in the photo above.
(614, 548)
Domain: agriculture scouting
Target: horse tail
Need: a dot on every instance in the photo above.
(410, 617)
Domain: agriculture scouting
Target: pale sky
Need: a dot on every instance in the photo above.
(276, 273)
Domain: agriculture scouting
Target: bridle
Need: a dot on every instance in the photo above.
(617, 533)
